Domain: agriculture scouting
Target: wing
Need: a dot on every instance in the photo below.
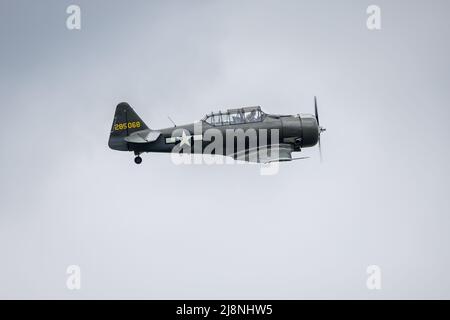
(267, 154)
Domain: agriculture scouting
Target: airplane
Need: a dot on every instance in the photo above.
(265, 137)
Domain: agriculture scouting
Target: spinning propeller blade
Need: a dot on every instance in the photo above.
(318, 124)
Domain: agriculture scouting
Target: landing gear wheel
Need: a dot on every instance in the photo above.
(138, 160)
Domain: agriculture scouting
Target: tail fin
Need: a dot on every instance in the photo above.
(126, 121)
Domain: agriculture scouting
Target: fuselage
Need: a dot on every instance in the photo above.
(300, 131)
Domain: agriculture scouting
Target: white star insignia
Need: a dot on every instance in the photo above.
(185, 139)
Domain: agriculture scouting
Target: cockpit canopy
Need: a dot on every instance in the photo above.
(235, 116)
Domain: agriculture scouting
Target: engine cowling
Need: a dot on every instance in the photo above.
(303, 130)
(310, 130)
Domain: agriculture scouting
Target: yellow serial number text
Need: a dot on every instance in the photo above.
(129, 125)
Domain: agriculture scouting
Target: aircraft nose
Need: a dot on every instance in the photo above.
(310, 130)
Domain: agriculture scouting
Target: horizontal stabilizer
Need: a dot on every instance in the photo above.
(143, 136)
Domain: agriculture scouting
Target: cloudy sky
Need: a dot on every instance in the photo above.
(158, 230)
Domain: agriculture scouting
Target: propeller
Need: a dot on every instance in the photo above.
(321, 129)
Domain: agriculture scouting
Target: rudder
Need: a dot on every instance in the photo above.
(126, 121)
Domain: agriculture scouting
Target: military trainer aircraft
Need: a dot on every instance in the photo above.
(277, 135)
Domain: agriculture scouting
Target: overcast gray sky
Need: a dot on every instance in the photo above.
(158, 230)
